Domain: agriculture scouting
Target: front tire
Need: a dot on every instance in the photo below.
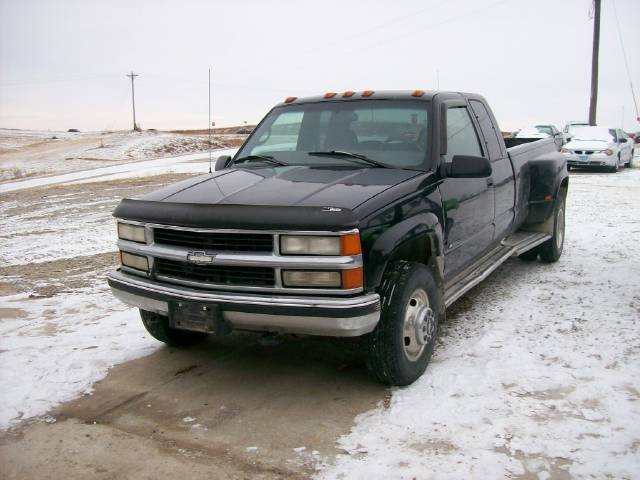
(158, 326)
(551, 250)
(400, 347)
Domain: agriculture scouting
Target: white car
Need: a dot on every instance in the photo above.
(570, 127)
(541, 131)
(598, 147)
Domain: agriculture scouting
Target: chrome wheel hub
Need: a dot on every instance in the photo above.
(419, 325)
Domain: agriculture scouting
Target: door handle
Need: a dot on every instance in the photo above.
(489, 182)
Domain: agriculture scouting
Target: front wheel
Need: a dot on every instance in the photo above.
(400, 347)
(551, 250)
(158, 326)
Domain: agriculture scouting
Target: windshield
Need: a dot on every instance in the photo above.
(602, 134)
(393, 133)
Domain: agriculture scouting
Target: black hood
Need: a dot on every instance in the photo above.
(296, 197)
(285, 187)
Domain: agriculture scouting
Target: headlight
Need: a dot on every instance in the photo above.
(609, 152)
(310, 278)
(347, 279)
(316, 245)
(134, 261)
(565, 150)
(135, 233)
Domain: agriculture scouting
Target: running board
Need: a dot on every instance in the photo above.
(514, 245)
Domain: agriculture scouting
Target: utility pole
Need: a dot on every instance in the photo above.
(594, 62)
(132, 76)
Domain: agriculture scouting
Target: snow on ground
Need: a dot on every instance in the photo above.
(191, 163)
(34, 153)
(64, 345)
(537, 373)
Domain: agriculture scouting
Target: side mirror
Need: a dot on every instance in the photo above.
(468, 166)
(222, 162)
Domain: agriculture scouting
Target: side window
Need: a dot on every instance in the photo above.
(488, 129)
(461, 136)
(282, 135)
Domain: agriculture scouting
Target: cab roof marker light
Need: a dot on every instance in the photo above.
(367, 93)
(329, 94)
(348, 94)
(290, 99)
(417, 93)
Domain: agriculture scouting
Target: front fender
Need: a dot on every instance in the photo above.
(418, 239)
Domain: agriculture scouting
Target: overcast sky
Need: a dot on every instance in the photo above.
(63, 63)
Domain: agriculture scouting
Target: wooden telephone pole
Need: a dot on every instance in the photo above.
(594, 62)
(132, 76)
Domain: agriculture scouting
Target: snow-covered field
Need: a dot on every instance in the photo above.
(26, 153)
(537, 374)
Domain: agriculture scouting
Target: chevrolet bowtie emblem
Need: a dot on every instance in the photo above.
(200, 257)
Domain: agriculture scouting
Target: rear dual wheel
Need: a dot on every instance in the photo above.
(551, 250)
(400, 347)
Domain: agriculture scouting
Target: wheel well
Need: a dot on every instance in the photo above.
(564, 188)
(425, 249)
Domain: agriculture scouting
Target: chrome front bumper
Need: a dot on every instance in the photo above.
(313, 315)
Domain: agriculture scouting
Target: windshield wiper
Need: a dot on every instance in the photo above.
(264, 158)
(349, 156)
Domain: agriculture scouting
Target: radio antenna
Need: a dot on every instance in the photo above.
(209, 120)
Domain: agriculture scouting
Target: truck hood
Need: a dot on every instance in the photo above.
(287, 186)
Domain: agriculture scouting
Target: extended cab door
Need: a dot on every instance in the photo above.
(501, 169)
(467, 202)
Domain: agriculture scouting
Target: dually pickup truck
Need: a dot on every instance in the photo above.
(355, 214)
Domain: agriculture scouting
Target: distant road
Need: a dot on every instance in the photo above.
(123, 168)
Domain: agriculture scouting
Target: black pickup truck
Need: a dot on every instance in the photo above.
(354, 214)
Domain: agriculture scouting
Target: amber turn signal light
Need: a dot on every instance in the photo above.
(350, 244)
(352, 278)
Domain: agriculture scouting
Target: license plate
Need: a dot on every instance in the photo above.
(197, 317)
(583, 158)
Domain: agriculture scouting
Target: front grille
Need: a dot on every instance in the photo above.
(215, 241)
(585, 152)
(216, 274)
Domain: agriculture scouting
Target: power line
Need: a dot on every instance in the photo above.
(626, 63)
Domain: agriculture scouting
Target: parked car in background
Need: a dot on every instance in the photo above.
(541, 131)
(598, 147)
(570, 127)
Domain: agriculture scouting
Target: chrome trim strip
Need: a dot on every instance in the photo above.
(237, 230)
(266, 300)
(245, 288)
(243, 258)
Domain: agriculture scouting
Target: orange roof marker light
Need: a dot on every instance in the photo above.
(367, 93)
(417, 93)
(348, 94)
(290, 99)
(329, 94)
